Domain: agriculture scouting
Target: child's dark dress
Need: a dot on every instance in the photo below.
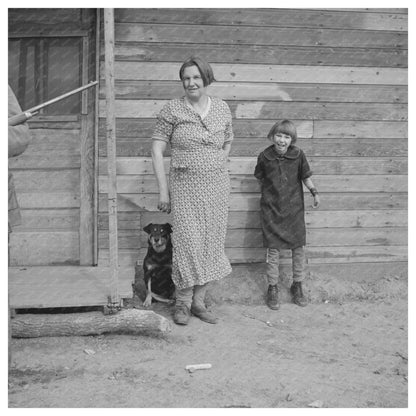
(282, 204)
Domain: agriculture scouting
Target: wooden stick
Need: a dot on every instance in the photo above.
(25, 115)
(193, 367)
(111, 151)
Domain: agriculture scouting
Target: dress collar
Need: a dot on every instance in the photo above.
(292, 153)
(207, 108)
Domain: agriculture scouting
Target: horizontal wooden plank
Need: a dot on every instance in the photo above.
(136, 128)
(131, 184)
(251, 219)
(53, 135)
(231, 35)
(49, 160)
(252, 54)
(318, 111)
(50, 148)
(165, 71)
(366, 10)
(315, 255)
(318, 237)
(275, 110)
(165, 90)
(360, 129)
(47, 200)
(246, 165)
(245, 147)
(44, 16)
(65, 286)
(34, 30)
(394, 20)
(319, 165)
(251, 202)
(47, 180)
(251, 147)
(143, 128)
(44, 247)
(48, 219)
(54, 122)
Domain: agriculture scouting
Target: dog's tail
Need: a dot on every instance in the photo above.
(161, 299)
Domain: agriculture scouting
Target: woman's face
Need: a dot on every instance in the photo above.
(193, 83)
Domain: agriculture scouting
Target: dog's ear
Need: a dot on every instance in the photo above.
(147, 228)
(168, 227)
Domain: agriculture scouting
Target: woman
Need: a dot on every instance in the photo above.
(198, 128)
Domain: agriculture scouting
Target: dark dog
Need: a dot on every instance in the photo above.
(157, 264)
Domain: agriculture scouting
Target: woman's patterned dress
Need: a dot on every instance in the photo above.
(199, 188)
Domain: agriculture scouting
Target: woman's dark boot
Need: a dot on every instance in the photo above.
(182, 314)
(273, 297)
(297, 294)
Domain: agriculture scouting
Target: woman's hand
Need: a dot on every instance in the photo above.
(164, 204)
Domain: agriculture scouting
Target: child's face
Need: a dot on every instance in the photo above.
(281, 142)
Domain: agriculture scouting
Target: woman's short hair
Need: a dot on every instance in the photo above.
(284, 127)
(204, 68)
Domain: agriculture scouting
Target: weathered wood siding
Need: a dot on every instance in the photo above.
(340, 75)
(54, 176)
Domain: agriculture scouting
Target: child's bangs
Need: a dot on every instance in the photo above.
(287, 129)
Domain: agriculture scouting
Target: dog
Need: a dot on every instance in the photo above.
(157, 264)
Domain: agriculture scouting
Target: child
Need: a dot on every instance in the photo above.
(281, 168)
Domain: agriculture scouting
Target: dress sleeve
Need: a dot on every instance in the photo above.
(164, 124)
(305, 170)
(259, 169)
(228, 133)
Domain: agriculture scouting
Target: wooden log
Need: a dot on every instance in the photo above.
(130, 321)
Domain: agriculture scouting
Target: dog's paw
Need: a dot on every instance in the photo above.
(147, 302)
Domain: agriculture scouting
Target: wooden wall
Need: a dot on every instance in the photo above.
(340, 75)
(54, 177)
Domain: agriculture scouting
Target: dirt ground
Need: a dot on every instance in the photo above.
(328, 354)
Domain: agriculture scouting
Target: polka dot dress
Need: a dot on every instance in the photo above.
(199, 188)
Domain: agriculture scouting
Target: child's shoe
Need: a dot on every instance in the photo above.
(273, 297)
(297, 294)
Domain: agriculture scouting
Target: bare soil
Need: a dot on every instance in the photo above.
(328, 354)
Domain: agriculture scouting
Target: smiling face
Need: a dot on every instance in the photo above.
(281, 142)
(193, 83)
